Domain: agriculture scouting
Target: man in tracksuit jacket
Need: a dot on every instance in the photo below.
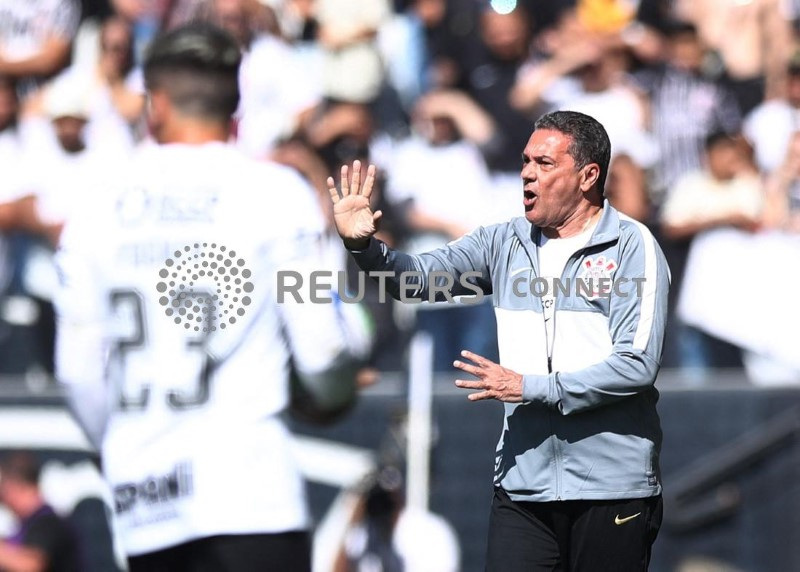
(577, 480)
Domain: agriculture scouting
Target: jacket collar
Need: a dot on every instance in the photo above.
(607, 230)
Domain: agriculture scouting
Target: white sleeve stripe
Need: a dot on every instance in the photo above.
(647, 307)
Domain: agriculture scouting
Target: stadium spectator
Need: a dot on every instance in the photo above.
(727, 192)
(14, 173)
(489, 69)
(389, 536)
(685, 108)
(149, 17)
(770, 126)
(783, 191)
(752, 39)
(36, 40)
(110, 90)
(352, 68)
(43, 541)
(189, 422)
(577, 483)
(277, 94)
(449, 201)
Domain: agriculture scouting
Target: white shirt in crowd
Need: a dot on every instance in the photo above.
(769, 128)
(275, 88)
(697, 197)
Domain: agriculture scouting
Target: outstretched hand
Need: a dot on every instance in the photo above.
(495, 381)
(354, 220)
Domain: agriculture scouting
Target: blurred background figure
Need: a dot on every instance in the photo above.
(685, 107)
(783, 191)
(112, 89)
(727, 192)
(388, 536)
(751, 40)
(771, 125)
(149, 17)
(440, 185)
(278, 93)
(43, 541)
(36, 40)
(352, 68)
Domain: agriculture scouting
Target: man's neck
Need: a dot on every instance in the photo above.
(581, 220)
(195, 132)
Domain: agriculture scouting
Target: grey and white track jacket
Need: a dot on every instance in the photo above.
(587, 427)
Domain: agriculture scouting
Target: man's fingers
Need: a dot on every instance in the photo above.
(345, 183)
(355, 181)
(369, 182)
(332, 190)
(469, 368)
(376, 220)
(480, 396)
(470, 384)
(480, 360)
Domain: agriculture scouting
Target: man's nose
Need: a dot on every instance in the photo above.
(528, 172)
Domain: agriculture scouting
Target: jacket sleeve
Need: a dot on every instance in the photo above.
(636, 324)
(462, 267)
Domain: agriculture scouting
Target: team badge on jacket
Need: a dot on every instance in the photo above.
(597, 274)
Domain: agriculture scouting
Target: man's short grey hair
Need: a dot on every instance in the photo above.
(590, 143)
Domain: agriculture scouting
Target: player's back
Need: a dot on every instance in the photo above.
(176, 265)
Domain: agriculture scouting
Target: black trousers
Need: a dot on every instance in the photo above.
(593, 536)
(284, 552)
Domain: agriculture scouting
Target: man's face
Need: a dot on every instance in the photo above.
(506, 35)
(725, 161)
(69, 132)
(551, 182)
(686, 52)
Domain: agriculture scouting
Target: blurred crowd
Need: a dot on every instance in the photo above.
(701, 100)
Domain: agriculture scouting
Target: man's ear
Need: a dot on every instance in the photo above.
(590, 174)
(158, 108)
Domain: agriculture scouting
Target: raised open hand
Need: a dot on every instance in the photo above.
(355, 222)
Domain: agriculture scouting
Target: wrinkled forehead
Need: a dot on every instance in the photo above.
(548, 142)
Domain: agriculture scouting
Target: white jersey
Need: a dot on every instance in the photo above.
(168, 300)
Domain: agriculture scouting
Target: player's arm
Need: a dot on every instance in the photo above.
(461, 267)
(81, 342)
(329, 340)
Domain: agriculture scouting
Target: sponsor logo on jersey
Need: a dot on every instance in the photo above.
(155, 490)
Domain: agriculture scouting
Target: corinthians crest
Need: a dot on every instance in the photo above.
(597, 274)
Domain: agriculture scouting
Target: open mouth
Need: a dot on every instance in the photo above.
(528, 199)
